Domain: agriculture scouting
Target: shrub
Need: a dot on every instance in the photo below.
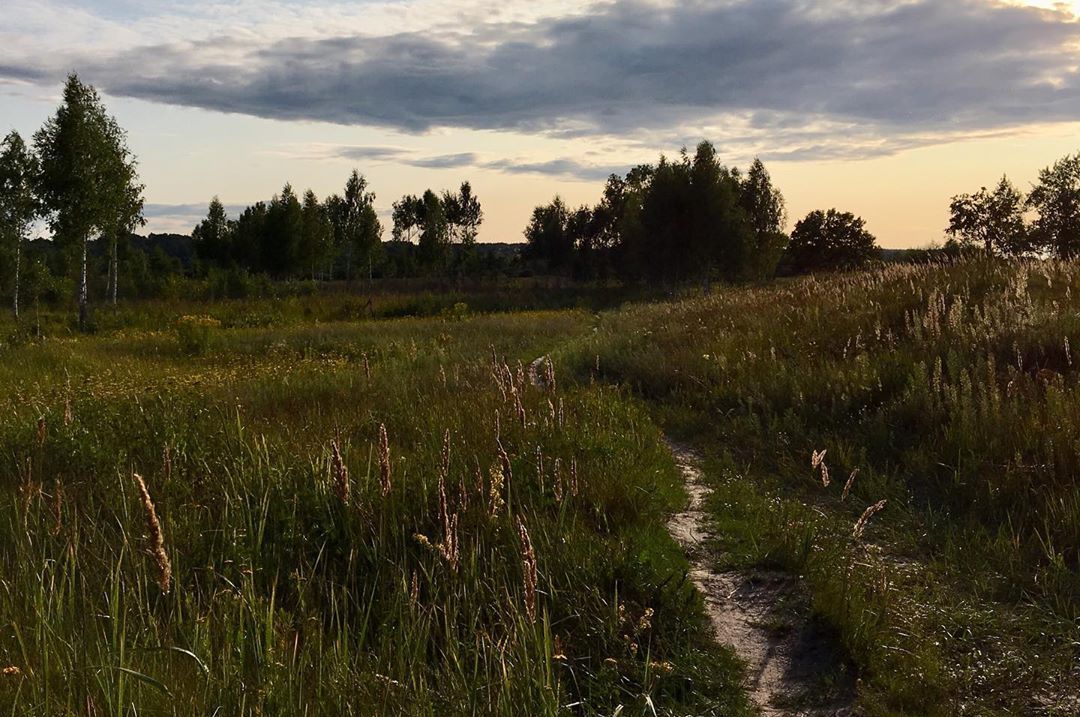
(195, 334)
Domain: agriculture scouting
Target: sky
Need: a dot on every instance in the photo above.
(885, 108)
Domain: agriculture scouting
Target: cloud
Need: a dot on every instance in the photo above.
(195, 209)
(562, 167)
(882, 71)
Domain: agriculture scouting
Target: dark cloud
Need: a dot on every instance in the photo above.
(564, 167)
(195, 209)
(362, 153)
(400, 155)
(917, 66)
(557, 167)
(445, 161)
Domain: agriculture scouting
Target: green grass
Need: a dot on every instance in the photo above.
(954, 391)
(285, 600)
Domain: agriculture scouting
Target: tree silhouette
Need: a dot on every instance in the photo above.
(1056, 198)
(831, 240)
(994, 220)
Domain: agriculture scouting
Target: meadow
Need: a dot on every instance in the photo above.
(349, 518)
(309, 511)
(948, 391)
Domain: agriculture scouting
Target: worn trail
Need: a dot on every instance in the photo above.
(793, 670)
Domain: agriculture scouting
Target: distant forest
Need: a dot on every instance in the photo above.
(684, 219)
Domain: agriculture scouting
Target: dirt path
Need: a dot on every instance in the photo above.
(792, 666)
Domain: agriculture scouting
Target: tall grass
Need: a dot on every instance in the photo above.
(954, 391)
(353, 520)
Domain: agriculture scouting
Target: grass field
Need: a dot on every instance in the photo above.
(506, 554)
(953, 393)
(503, 549)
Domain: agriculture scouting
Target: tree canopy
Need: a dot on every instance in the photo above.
(88, 181)
(831, 240)
(1056, 198)
(991, 219)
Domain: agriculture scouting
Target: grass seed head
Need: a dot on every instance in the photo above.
(869, 513)
(850, 482)
(339, 473)
(529, 571)
(495, 491)
(385, 472)
(157, 537)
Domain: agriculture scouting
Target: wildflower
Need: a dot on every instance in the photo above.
(11, 671)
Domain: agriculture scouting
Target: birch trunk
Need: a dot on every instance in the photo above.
(18, 262)
(114, 267)
(83, 293)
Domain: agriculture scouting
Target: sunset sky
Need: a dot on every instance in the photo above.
(882, 108)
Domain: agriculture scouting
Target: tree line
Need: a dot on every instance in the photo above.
(684, 219)
(692, 219)
(339, 238)
(1004, 221)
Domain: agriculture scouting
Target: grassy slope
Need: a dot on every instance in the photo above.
(285, 600)
(954, 392)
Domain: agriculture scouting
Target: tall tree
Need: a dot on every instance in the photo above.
(247, 237)
(464, 214)
(407, 213)
(18, 203)
(764, 207)
(282, 236)
(722, 238)
(128, 217)
(831, 240)
(213, 236)
(88, 180)
(762, 202)
(356, 223)
(316, 240)
(1056, 198)
(994, 220)
(547, 237)
(434, 231)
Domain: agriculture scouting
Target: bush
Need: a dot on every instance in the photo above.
(195, 334)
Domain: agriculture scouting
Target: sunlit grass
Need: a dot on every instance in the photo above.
(953, 391)
(286, 599)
